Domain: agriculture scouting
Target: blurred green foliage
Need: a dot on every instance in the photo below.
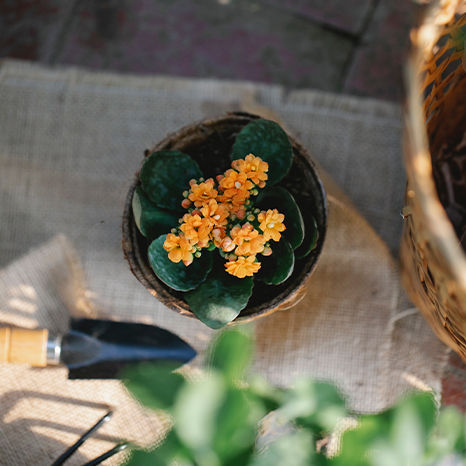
(217, 420)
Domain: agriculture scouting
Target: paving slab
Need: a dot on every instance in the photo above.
(29, 29)
(454, 383)
(346, 15)
(243, 40)
(376, 68)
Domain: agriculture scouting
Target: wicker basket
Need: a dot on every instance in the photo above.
(433, 261)
(209, 143)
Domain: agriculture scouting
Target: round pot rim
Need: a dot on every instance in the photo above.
(147, 277)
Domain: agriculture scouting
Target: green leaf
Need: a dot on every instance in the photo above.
(357, 444)
(384, 454)
(407, 434)
(277, 267)
(242, 458)
(165, 175)
(280, 199)
(145, 458)
(412, 423)
(174, 451)
(196, 412)
(314, 405)
(151, 220)
(177, 275)
(171, 451)
(218, 300)
(398, 434)
(311, 235)
(271, 397)
(426, 406)
(155, 386)
(325, 410)
(451, 429)
(232, 353)
(293, 450)
(237, 423)
(267, 140)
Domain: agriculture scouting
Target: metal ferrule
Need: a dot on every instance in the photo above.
(53, 350)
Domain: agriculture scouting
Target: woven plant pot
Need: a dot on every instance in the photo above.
(209, 143)
(433, 261)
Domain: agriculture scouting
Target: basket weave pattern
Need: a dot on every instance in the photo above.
(433, 262)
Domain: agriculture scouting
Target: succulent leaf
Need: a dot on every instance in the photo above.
(177, 275)
(165, 175)
(151, 220)
(277, 267)
(220, 299)
(267, 140)
(311, 235)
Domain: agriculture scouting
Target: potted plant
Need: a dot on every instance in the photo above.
(225, 220)
(225, 418)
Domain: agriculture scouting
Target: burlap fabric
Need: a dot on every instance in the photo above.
(70, 142)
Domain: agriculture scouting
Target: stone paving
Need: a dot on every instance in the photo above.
(238, 40)
(354, 46)
(351, 46)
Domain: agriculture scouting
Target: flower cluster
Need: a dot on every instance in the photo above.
(221, 215)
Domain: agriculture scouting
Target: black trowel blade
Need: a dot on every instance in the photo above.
(100, 349)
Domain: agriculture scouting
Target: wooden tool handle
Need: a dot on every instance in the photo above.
(20, 345)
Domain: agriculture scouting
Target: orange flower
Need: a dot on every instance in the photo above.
(240, 197)
(179, 248)
(267, 251)
(218, 234)
(190, 226)
(244, 233)
(239, 211)
(196, 229)
(202, 193)
(235, 205)
(243, 267)
(253, 247)
(247, 239)
(217, 214)
(204, 233)
(271, 223)
(253, 167)
(234, 198)
(234, 181)
(227, 244)
(186, 204)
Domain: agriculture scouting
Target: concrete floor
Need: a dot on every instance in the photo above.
(351, 46)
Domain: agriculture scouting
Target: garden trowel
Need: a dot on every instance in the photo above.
(94, 349)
